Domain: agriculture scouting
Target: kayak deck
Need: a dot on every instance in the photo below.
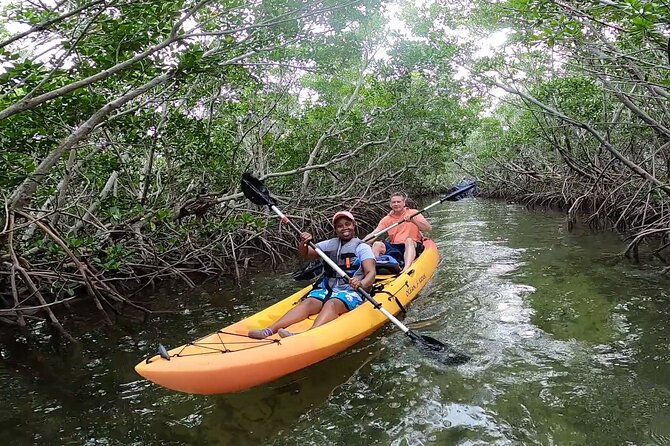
(229, 361)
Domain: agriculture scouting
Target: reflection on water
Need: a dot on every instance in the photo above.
(252, 417)
(568, 346)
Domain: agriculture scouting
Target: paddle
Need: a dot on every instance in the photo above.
(257, 193)
(453, 196)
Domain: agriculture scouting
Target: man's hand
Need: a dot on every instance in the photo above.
(303, 246)
(305, 238)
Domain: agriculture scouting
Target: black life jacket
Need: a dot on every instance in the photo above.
(345, 257)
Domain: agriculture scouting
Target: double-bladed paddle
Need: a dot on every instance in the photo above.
(257, 193)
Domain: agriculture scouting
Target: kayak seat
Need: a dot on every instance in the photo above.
(387, 265)
(308, 271)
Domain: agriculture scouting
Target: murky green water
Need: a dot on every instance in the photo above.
(568, 346)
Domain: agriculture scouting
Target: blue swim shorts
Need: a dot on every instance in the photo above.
(350, 298)
(397, 251)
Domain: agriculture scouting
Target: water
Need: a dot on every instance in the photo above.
(568, 345)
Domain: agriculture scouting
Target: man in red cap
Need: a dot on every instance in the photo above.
(334, 295)
(404, 241)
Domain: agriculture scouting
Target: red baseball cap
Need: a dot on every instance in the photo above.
(341, 214)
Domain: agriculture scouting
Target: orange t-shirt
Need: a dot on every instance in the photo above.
(403, 231)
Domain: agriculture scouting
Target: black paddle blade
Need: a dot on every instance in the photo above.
(443, 353)
(464, 189)
(255, 190)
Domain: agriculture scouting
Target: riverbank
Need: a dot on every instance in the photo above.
(66, 280)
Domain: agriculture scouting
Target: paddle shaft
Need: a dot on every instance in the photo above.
(440, 201)
(340, 272)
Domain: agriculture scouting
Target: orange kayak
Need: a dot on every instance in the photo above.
(229, 361)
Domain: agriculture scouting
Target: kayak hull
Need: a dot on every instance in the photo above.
(228, 361)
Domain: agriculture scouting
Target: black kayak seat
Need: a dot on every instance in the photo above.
(308, 271)
(311, 270)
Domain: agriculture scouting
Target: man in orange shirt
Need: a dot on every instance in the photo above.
(404, 241)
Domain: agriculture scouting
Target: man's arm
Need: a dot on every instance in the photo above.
(364, 252)
(381, 226)
(304, 250)
(370, 270)
(421, 222)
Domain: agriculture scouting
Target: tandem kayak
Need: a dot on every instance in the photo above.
(229, 361)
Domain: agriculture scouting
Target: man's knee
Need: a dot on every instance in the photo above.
(334, 305)
(379, 248)
(410, 243)
(311, 304)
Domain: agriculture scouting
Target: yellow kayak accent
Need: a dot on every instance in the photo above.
(229, 361)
